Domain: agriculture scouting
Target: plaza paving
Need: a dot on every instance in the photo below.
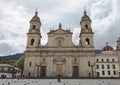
(63, 82)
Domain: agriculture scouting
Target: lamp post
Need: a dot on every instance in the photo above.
(92, 65)
(92, 70)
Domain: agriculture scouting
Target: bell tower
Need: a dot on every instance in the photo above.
(34, 34)
(86, 35)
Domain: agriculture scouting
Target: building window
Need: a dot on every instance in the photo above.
(102, 60)
(97, 66)
(108, 72)
(87, 41)
(107, 60)
(32, 41)
(102, 66)
(114, 72)
(88, 63)
(30, 64)
(108, 66)
(113, 60)
(97, 60)
(103, 72)
(86, 26)
(113, 66)
(33, 27)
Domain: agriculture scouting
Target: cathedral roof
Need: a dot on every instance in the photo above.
(85, 17)
(107, 48)
(60, 30)
(35, 18)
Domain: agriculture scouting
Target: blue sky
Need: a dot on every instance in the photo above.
(16, 14)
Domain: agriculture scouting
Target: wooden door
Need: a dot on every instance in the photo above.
(43, 71)
(75, 71)
(59, 70)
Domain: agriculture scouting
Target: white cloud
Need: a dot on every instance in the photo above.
(76, 34)
(15, 16)
(105, 16)
(13, 28)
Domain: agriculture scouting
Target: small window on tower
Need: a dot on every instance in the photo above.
(33, 27)
(86, 26)
(30, 64)
(32, 41)
(87, 41)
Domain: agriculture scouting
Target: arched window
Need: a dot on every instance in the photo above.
(33, 27)
(102, 66)
(86, 26)
(107, 60)
(113, 66)
(30, 64)
(108, 66)
(32, 41)
(87, 41)
(113, 60)
(97, 66)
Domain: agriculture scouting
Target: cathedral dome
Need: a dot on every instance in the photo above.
(35, 18)
(107, 48)
(85, 17)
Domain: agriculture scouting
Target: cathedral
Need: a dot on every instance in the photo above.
(60, 57)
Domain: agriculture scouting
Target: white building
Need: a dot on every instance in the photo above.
(8, 71)
(107, 64)
(18, 72)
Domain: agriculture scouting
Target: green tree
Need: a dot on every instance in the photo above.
(20, 63)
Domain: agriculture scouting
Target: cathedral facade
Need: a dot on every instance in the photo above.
(60, 57)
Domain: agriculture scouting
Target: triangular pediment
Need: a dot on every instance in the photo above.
(60, 31)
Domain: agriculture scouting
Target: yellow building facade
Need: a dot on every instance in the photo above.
(60, 57)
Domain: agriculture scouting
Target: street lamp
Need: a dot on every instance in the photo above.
(92, 70)
(91, 65)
